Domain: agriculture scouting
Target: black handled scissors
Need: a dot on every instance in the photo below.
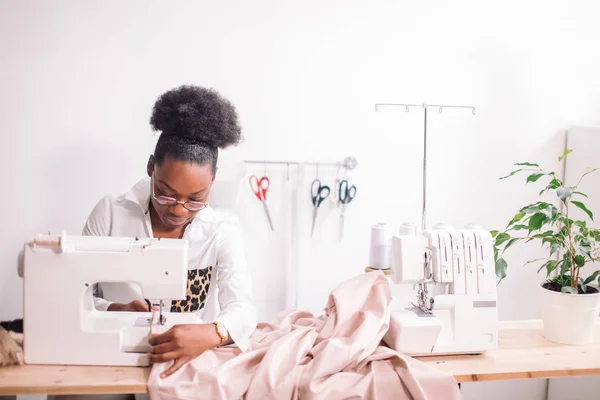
(346, 195)
(318, 194)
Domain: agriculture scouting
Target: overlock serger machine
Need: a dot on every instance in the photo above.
(452, 271)
(61, 323)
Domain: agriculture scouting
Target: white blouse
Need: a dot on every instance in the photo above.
(216, 255)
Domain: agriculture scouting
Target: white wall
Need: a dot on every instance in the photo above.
(79, 79)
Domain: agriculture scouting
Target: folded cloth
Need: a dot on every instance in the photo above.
(338, 355)
(11, 352)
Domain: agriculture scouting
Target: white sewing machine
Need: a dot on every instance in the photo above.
(454, 311)
(61, 324)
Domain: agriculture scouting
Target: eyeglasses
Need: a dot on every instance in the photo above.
(189, 205)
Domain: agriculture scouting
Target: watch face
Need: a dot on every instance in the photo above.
(221, 330)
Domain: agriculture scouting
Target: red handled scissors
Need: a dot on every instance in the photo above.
(260, 188)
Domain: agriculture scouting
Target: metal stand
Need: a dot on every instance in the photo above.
(424, 301)
(425, 107)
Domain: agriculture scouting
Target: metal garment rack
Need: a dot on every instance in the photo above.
(349, 163)
(297, 163)
(425, 108)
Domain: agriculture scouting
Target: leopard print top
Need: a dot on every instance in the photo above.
(197, 291)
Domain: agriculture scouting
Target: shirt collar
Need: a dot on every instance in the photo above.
(140, 194)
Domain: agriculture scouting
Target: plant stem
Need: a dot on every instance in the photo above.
(574, 269)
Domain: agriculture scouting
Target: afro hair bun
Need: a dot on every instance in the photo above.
(197, 114)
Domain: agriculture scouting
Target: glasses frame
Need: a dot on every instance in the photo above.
(171, 201)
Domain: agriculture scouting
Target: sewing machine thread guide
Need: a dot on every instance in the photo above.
(162, 319)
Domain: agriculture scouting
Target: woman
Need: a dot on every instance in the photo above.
(173, 203)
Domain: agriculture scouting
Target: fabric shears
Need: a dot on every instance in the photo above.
(318, 196)
(346, 195)
(260, 188)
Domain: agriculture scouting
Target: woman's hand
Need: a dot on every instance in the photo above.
(182, 343)
(134, 306)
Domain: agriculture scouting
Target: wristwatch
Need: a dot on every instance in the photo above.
(221, 331)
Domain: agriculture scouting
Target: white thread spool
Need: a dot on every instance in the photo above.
(408, 229)
(380, 254)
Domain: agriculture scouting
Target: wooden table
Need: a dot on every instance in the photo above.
(523, 353)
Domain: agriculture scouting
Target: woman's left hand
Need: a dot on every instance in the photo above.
(182, 343)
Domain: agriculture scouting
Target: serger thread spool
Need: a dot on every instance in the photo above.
(408, 229)
(380, 254)
(47, 240)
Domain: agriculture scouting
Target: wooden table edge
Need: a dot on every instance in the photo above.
(504, 376)
(73, 389)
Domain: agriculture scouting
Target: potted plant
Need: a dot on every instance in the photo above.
(570, 301)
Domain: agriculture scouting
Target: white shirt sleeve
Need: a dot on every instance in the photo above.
(98, 224)
(237, 310)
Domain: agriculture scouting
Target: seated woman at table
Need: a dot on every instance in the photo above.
(172, 202)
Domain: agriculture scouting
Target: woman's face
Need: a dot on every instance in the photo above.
(183, 181)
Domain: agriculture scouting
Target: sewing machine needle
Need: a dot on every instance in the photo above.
(161, 319)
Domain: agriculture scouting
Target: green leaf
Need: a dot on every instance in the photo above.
(589, 171)
(581, 224)
(581, 194)
(592, 277)
(519, 227)
(533, 208)
(566, 221)
(537, 221)
(493, 233)
(501, 238)
(565, 264)
(511, 242)
(516, 218)
(554, 213)
(584, 208)
(532, 261)
(526, 164)
(547, 237)
(568, 289)
(554, 248)
(554, 184)
(579, 260)
(564, 193)
(550, 266)
(512, 173)
(501, 268)
(583, 285)
(565, 154)
(534, 177)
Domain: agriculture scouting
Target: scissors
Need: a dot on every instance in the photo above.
(317, 196)
(346, 195)
(260, 187)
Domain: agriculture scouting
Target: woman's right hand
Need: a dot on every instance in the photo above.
(134, 306)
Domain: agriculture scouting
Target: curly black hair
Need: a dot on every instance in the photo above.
(195, 122)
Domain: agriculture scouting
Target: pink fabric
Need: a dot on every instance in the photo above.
(297, 355)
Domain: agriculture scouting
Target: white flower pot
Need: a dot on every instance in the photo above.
(570, 318)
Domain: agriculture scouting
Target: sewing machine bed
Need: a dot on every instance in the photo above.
(523, 353)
